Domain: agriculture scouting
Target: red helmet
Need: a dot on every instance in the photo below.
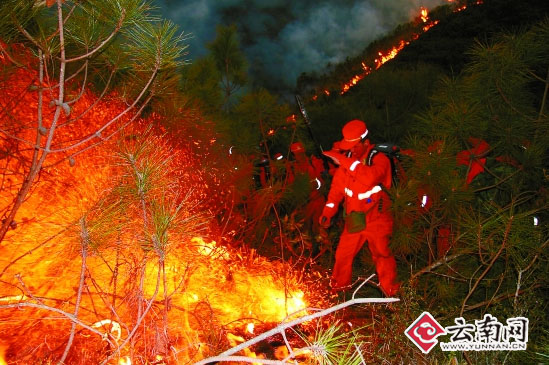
(353, 132)
(297, 147)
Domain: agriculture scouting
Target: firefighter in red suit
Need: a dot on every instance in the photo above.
(313, 168)
(361, 187)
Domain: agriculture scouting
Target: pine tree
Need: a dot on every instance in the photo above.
(116, 49)
(229, 61)
(497, 259)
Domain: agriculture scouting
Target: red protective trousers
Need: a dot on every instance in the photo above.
(377, 234)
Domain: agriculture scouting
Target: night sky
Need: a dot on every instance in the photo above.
(283, 38)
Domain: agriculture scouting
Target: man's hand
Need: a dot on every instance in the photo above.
(342, 160)
(335, 156)
(324, 221)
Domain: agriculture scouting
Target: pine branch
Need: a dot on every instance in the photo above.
(442, 261)
(103, 43)
(226, 356)
(544, 98)
(528, 267)
(479, 279)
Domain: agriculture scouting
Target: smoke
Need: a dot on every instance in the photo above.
(284, 38)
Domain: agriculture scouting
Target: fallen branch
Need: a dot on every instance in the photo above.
(226, 356)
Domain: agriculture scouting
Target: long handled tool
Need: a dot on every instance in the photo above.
(308, 122)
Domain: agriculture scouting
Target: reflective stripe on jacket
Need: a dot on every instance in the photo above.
(361, 187)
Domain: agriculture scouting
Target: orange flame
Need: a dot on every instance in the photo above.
(390, 54)
(424, 15)
(3, 349)
(125, 361)
(203, 278)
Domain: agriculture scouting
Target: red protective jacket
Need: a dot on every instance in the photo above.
(361, 189)
(310, 167)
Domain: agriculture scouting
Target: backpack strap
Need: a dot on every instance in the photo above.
(391, 151)
(371, 155)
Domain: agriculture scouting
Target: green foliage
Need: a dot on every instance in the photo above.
(387, 100)
(229, 61)
(145, 199)
(334, 345)
(122, 37)
(498, 257)
(144, 168)
(496, 99)
(118, 49)
(22, 12)
(201, 81)
(297, 193)
(256, 120)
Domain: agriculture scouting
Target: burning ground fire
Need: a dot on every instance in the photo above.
(387, 55)
(80, 269)
(384, 56)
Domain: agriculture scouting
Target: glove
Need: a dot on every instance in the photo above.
(324, 221)
(341, 160)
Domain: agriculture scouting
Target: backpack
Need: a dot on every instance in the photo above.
(392, 151)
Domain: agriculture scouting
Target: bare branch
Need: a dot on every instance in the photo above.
(84, 239)
(109, 123)
(56, 310)
(283, 326)
(95, 102)
(139, 320)
(5, 52)
(442, 261)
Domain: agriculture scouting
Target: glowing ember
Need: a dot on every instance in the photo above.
(210, 248)
(125, 361)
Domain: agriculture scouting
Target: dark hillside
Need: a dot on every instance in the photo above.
(390, 97)
(447, 44)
